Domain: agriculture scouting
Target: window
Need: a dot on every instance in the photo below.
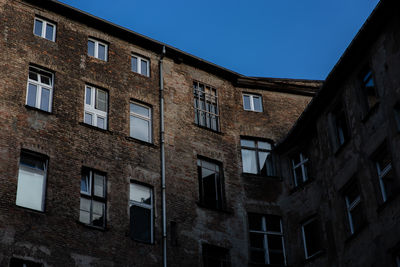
(256, 157)
(31, 188)
(341, 129)
(252, 102)
(96, 106)
(93, 198)
(141, 212)
(206, 106)
(355, 216)
(387, 180)
(140, 122)
(311, 237)
(140, 65)
(14, 262)
(369, 88)
(44, 29)
(210, 184)
(299, 168)
(97, 49)
(214, 256)
(40, 89)
(266, 239)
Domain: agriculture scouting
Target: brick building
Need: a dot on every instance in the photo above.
(95, 116)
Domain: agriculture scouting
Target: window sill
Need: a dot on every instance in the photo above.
(258, 176)
(139, 74)
(95, 59)
(131, 139)
(383, 205)
(315, 256)
(101, 229)
(301, 186)
(223, 210)
(354, 236)
(370, 112)
(253, 111)
(32, 211)
(39, 110)
(142, 242)
(208, 129)
(95, 128)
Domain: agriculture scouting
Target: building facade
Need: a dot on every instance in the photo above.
(93, 116)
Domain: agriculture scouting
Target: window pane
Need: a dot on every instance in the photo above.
(88, 95)
(276, 258)
(273, 223)
(140, 193)
(257, 103)
(246, 102)
(249, 161)
(138, 109)
(210, 192)
(144, 67)
(256, 240)
(30, 188)
(101, 100)
(85, 183)
(275, 242)
(32, 91)
(45, 100)
(45, 79)
(91, 48)
(49, 32)
(102, 52)
(264, 145)
(101, 122)
(357, 217)
(88, 118)
(312, 238)
(257, 256)
(38, 27)
(140, 222)
(84, 211)
(98, 213)
(98, 185)
(134, 64)
(33, 75)
(247, 143)
(140, 129)
(255, 222)
(31, 161)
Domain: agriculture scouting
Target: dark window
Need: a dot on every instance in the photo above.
(341, 129)
(266, 239)
(14, 262)
(311, 237)
(141, 212)
(369, 88)
(210, 184)
(354, 210)
(93, 198)
(174, 233)
(300, 164)
(214, 256)
(206, 112)
(257, 157)
(386, 176)
(397, 115)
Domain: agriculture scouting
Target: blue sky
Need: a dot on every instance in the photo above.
(268, 38)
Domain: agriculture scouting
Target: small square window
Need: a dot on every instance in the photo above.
(40, 89)
(141, 212)
(140, 65)
(214, 256)
(206, 112)
(96, 107)
(252, 102)
(211, 185)
(354, 210)
(97, 49)
(311, 237)
(93, 198)
(300, 164)
(257, 157)
(140, 122)
(44, 29)
(31, 190)
(387, 180)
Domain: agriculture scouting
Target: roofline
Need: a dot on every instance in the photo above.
(123, 33)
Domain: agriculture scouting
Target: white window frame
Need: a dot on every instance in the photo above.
(349, 208)
(29, 169)
(91, 108)
(139, 65)
(381, 174)
(304, 238)
(140, 116)
(40, 86)
(266, 234)
(146, 206)
(96, 49)
(252, 102)
(302, 165)
(44, 27)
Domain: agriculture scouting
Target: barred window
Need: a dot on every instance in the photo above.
(206, 106)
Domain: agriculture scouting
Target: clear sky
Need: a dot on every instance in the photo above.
(269, 38)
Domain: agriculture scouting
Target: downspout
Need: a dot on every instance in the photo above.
(162, 156)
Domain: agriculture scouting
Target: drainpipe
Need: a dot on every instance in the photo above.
(162, 152)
